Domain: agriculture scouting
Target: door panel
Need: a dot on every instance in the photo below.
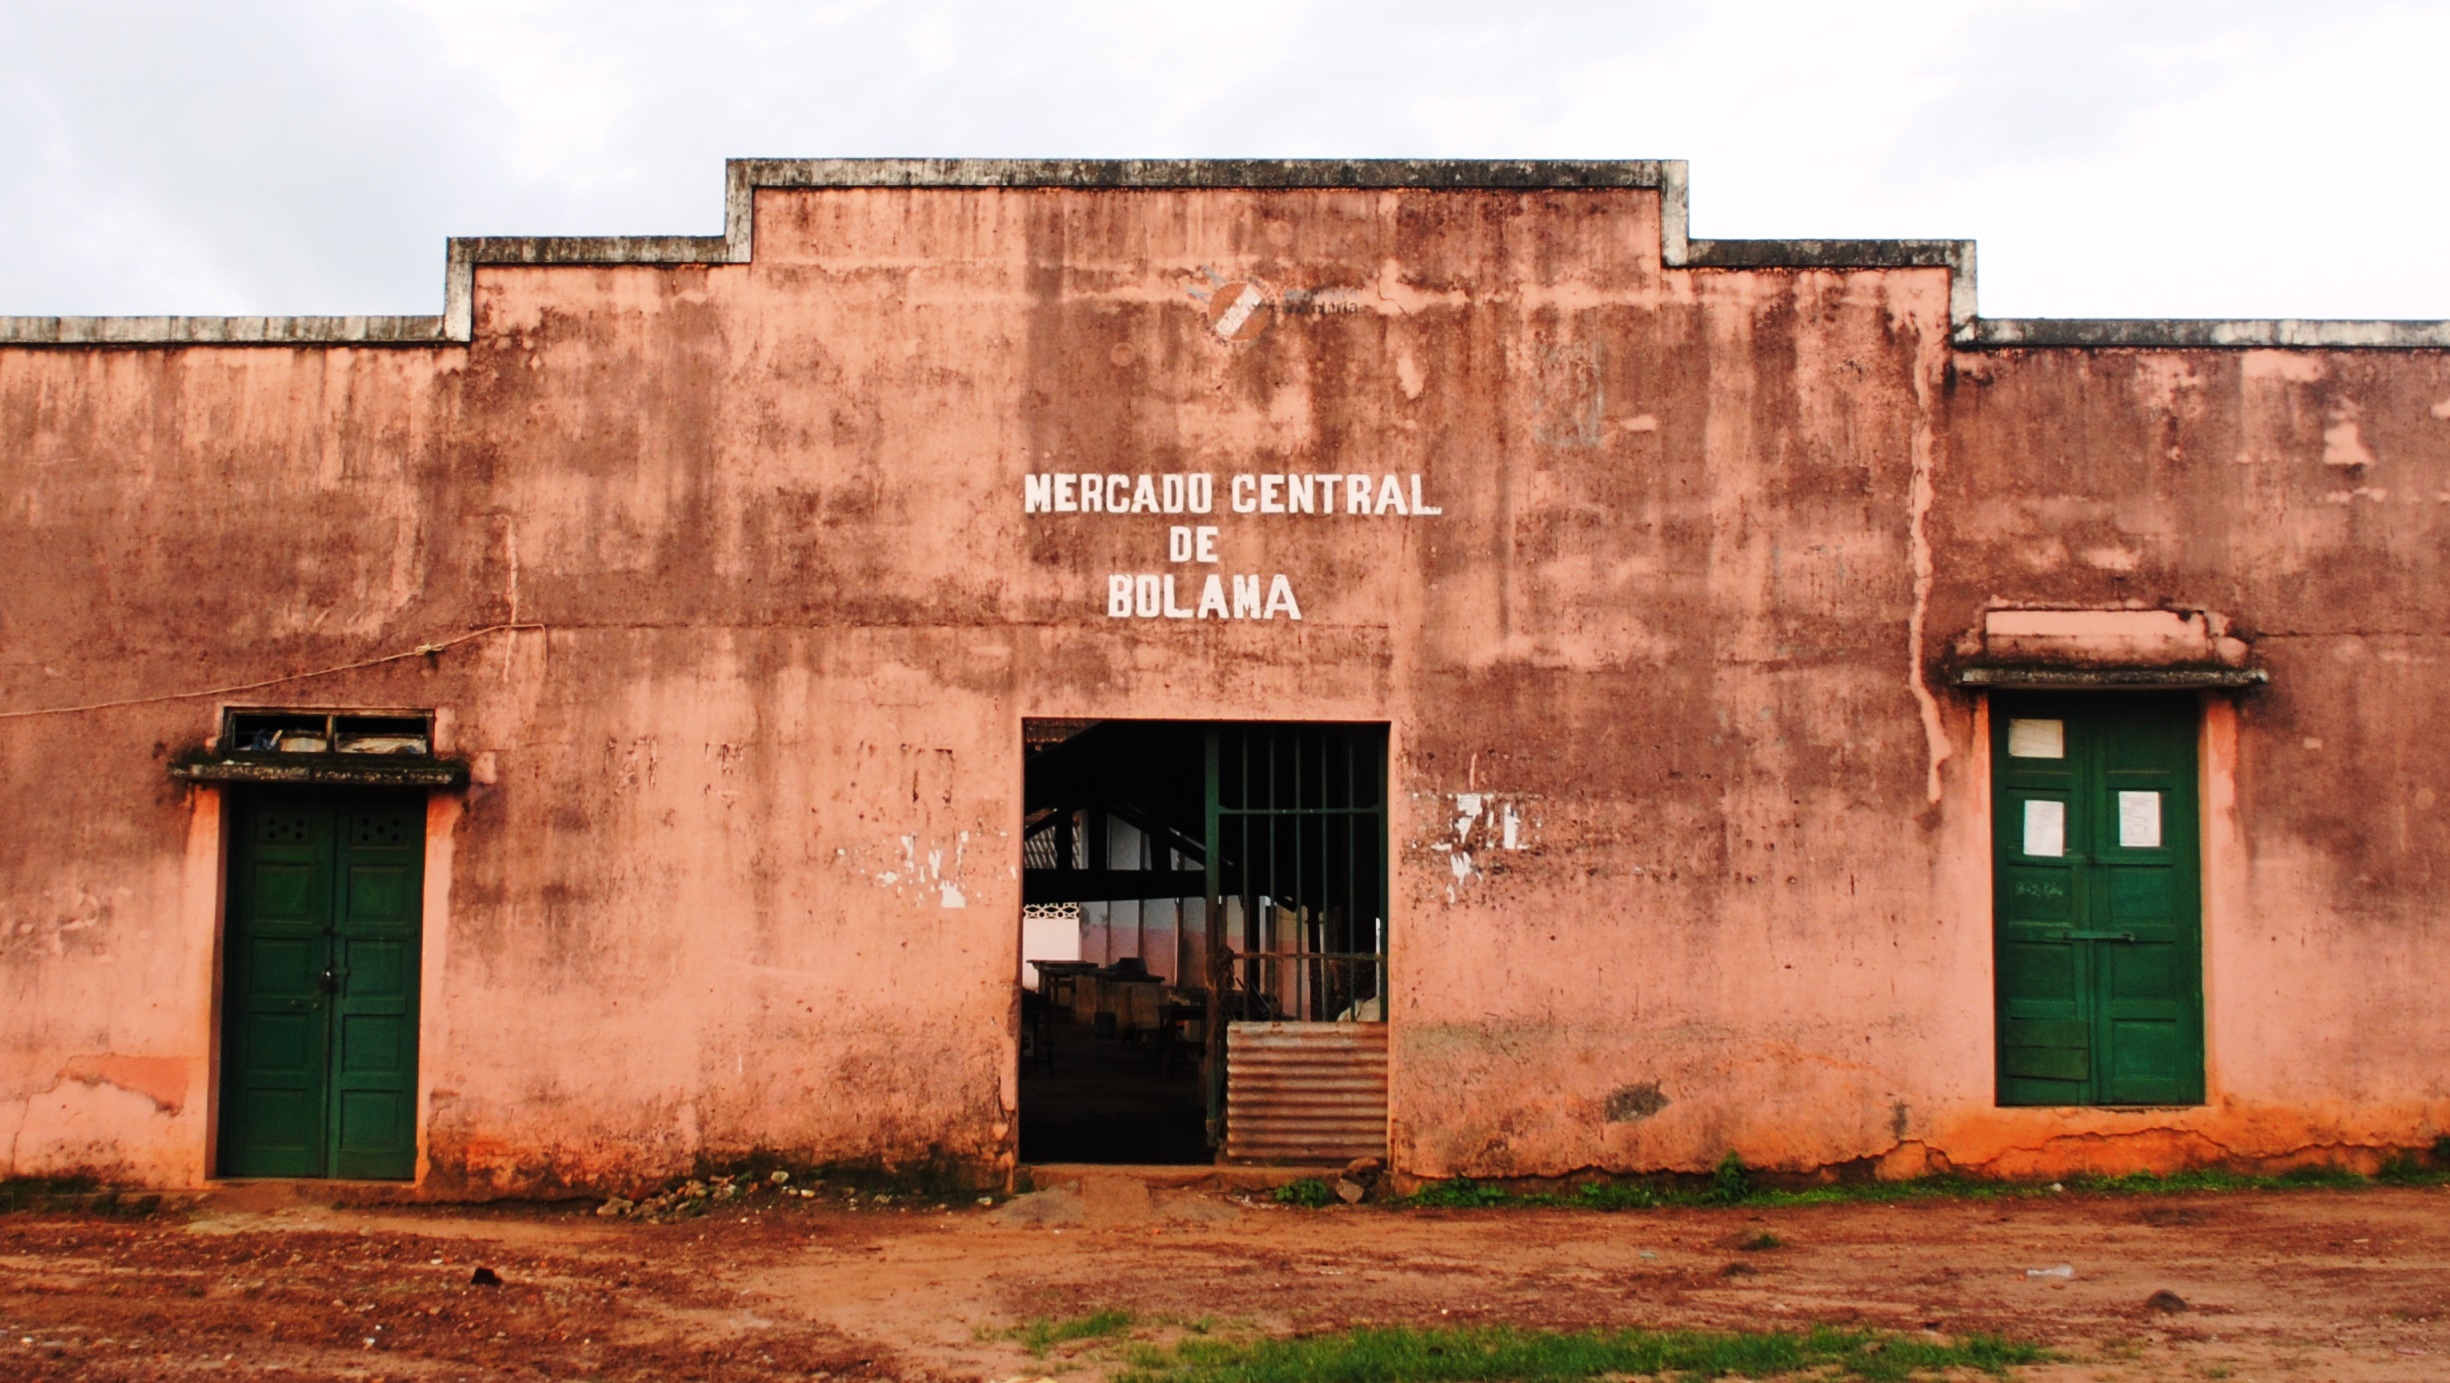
(378, 893)
(2143, 895)
(285, 1131)
(319, 986)
(2098, 945)
(2144, 1059)
(274, 955)
(374, 1073)
(285, 892)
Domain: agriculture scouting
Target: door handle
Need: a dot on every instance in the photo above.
(329, 981)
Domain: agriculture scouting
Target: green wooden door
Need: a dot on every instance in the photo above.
(319, 986)
(2097, 900)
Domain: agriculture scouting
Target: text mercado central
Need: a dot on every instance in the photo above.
(1156, 595)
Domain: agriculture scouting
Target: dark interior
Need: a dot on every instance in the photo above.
(1110, 1061)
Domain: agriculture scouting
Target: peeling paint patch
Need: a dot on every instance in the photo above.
(929, 871)
(1487, 818)
(1467, 809)
(161, 1079)
(67, 918)
(1479, 823)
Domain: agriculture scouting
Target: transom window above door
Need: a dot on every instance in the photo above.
(276, 731)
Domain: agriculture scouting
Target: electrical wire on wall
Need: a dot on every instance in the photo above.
(422, 650)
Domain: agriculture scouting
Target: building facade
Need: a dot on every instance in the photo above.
(1757, 704)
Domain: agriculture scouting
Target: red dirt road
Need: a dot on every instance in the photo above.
(2316, 1284)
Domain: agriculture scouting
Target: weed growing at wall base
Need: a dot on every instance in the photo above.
(1307, 1192)
(1496, 1354)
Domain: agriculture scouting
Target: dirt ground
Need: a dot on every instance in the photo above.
(2312, 1284)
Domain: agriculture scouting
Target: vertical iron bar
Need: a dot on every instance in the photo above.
(1212, 1039)
(1301, 880)
(1386, 900)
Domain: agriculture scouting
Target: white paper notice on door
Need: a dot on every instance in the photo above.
(2139, 821)
(2045, 828)
(2037, 739)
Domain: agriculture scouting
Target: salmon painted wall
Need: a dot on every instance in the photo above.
(2305, 496)
(1690, 836)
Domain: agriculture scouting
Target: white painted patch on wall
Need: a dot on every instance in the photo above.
(1467, 810)
(2344, 445)
(1408, 375)
(929, 872)
(1234, 307)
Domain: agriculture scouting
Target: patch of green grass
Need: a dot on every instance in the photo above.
(1463, 1193)
(1502, 1354)
(74, 1195)
(1732, 1183)
(1043, 1333)
(15, 1191)
(2213, 1179)
(1308, 1192)
(1612, 1195)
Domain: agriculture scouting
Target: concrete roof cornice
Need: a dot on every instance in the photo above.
(745, 177)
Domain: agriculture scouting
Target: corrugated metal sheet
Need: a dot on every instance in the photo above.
(1305, 1092)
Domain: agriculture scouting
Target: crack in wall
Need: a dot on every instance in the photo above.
(1920, 498)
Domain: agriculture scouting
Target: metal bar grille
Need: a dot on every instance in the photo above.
(1297, 878)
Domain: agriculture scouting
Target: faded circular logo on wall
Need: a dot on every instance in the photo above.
(1239, 310)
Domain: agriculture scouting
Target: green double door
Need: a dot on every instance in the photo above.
(319, 985)
(2097, 899)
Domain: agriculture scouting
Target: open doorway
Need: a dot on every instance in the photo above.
(1176, 872)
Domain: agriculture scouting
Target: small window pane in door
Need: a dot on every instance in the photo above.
(2037, 739)
(2045, 828)
(2139, 821)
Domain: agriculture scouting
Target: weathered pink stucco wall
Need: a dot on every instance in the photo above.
(740, 870)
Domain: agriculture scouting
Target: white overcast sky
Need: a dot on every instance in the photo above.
(2130, 158)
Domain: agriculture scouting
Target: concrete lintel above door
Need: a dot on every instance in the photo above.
(2078, 649)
